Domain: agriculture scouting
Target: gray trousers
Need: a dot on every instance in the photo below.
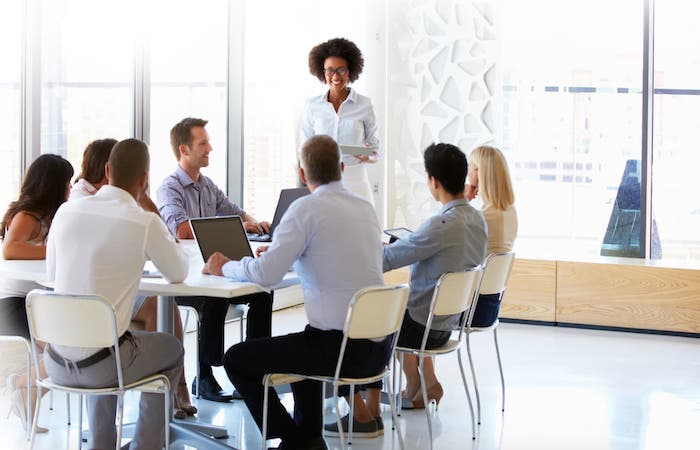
(145, 354)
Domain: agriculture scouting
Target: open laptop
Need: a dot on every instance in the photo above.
(287, 197)
(224, 234)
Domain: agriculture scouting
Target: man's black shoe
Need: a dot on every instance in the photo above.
(316, 443)
(209, 389)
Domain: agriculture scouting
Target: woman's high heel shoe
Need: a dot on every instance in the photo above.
(435, 394)
(183, 408)
(18, 404)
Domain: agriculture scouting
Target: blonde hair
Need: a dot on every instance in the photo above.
(495, 186)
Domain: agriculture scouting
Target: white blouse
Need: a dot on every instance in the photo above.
(353, 124)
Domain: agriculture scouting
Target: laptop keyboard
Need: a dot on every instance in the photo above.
(258, 237)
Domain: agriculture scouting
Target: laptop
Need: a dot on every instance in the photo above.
(287, 197)
(225, 234)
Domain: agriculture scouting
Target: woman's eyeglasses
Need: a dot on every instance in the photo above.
(340, 71)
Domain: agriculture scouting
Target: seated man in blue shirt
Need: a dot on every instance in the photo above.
(453, 240)
(333, 239)
(186, 194)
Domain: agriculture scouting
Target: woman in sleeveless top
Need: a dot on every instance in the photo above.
(24, 229)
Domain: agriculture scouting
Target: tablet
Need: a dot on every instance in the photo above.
(356, 150)
(398, 233)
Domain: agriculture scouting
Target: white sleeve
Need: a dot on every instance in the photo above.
(167, 255)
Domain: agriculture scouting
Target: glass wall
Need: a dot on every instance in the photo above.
(87, 71)
(10, 114)
(571, 122)
(188, 68)
(676, 159)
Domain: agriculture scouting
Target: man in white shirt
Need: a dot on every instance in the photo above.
(98, 245)
(333, 239)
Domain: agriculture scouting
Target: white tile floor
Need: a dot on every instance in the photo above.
(566, 389)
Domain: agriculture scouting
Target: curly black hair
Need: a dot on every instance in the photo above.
(339, 47)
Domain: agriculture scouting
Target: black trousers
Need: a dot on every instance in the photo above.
(310, 352)
(212, 314)
(487, 308)
(13, 317)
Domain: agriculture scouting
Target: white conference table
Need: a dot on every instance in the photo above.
(196, 284)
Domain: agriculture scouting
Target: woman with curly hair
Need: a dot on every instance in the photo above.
(24, 229)
(341, 112)
(488, 177)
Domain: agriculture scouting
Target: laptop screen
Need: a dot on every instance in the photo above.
(287, 197)
(224, 234)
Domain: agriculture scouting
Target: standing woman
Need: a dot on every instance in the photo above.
(488, 177)
(341, 112)
(24, 229)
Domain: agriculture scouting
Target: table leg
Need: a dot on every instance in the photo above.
(187, 430)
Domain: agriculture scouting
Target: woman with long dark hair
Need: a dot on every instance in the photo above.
(24, 229)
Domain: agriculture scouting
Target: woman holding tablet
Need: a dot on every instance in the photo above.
(342, 113)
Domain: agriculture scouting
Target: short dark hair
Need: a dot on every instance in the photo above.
(181, 133)
(339, 47)
(43, 190)
(320, 158)
(95, 157)
(447, 164)
(128, 162)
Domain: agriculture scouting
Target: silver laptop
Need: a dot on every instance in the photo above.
(224, 234)
(287, 197)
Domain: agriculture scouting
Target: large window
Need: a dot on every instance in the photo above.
(571, 122)
(676, 159)
(188, 60)
(10, 114)
(278, 82)
(87, 71)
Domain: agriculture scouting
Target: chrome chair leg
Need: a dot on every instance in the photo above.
(343, 443)
(426, 406)
(264, 418)
(476, 384)
(466, 391)
(80, 421)
(500, 369)
(394, 418)
(68, 407)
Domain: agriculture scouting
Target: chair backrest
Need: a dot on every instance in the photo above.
(497, 269)
(376, 312)
(454, 292)
(71, 320)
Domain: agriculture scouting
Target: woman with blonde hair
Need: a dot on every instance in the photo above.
(489, 178)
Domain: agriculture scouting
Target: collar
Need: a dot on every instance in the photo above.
(352, 96)
(453, 204)
(333, 186)
(86, 186)
(183, 178)
(117, 193)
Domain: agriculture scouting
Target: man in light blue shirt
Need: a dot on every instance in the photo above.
(333, 239)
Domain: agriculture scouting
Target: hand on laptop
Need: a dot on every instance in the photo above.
(252, 226)
(260, 250)
(215, 263)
